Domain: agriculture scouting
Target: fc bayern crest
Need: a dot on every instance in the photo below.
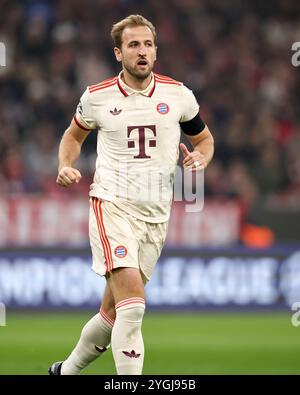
(162, 108)
(120, 251)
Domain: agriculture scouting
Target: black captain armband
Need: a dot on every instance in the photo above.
(193, 127)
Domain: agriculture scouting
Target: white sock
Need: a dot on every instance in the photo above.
(94, 340)
(126, 338)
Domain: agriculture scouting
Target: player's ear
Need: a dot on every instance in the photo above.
(118, 54)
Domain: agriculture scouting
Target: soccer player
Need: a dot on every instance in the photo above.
(139, 116)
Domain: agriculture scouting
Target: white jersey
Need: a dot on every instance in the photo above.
(138, 142)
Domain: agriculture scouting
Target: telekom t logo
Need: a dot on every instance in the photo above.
(141, 132)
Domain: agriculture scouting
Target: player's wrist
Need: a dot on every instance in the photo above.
(61, 167)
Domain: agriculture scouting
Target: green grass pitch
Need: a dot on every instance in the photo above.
(175, 343)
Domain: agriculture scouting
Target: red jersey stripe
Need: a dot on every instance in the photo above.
(104, 241)
(160, 79)
(104, 235)
(168, 82)
(103, 86)
(79, 124)
(121, 89)
(94, 204)
(102, 82)
(153, 89)
(164, 77)
(126, 94)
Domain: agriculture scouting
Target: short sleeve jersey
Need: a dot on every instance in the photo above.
(138, 142)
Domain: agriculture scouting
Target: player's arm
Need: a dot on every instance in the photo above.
(196, 132)
(203, 144)
(202, 141)
(69, 151)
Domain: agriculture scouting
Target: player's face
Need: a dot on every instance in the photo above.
(138, 52)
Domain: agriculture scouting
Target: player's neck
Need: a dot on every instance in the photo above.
(134, 83)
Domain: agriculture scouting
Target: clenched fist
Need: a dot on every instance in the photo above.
(68, 175)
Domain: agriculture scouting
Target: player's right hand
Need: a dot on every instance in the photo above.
(68, 175)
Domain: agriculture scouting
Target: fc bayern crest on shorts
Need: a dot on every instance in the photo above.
(120, 251)
(162, 108)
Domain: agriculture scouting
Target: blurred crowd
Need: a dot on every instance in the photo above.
(234, 54)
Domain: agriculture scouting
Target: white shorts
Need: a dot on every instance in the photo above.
(120, 240)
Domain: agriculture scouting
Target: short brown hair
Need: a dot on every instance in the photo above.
(130, 21)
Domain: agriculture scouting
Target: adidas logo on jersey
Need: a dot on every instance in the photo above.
(115, 111)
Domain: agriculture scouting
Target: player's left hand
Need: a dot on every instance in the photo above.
(193, 161)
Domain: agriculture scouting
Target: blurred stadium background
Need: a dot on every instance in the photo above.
(221, 298)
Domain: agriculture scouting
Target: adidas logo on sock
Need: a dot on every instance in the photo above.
(131, 354)
(100, 349)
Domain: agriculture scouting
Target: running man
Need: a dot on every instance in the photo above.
(139, 117)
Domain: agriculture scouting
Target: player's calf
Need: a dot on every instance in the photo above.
(94, 341)
(127, 341)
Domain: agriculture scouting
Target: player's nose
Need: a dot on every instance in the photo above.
(142, 50)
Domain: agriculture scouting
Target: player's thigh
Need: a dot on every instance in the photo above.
(150, 249)
(126, 282)
(114, 241)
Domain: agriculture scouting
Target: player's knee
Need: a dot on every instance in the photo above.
(131, 310)
(125, 281)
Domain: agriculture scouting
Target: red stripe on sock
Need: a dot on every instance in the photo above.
(129, 301)
(106, 318)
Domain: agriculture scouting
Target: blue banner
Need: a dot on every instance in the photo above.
(183, 278)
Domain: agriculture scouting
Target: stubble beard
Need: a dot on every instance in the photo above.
(139, 75)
